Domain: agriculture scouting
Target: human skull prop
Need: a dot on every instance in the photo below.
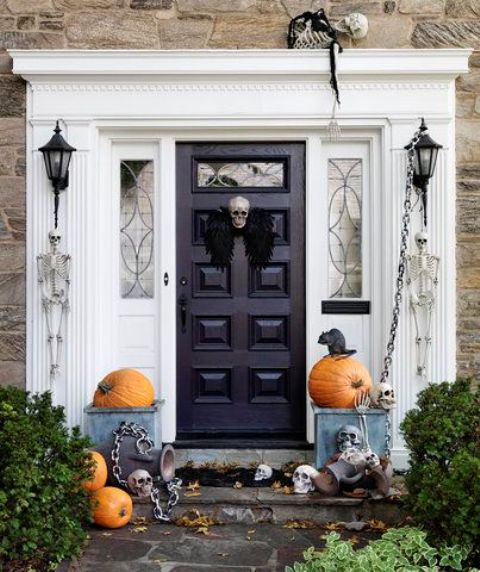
(349, 437)
(302, 479)
(354, 25)
(372, 460)
(383, 395)
(140, 483)
(239, 208)
(421, 239)
(54, 238)
(263, 472)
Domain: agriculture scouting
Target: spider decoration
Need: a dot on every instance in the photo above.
(254, 225)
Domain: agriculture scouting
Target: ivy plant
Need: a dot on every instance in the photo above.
(43, 505)
(403, 549)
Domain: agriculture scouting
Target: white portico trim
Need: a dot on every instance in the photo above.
(113, 98)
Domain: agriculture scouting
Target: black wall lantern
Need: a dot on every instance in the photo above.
(426, 153)
(57, 154)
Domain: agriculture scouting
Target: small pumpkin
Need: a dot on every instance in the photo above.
(124, 388)
(335, 381)
(98, 472)
(112, 507)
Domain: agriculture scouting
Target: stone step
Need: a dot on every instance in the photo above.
(256, 505)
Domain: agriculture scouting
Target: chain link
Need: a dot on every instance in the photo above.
(402, 264)
(144, 445)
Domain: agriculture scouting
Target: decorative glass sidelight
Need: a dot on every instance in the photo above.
(241, 174)
(136, 229)
(345, 228)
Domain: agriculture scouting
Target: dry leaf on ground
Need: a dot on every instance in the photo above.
(334, 526)
(139, 520)
(139, 529)
(299, 524)
(238, 485)
(194, 519)
(193, 486)
(202, 530)
(276, 485)
(376, 524)
(192, 494)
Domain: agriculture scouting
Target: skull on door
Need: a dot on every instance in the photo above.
(238, 208)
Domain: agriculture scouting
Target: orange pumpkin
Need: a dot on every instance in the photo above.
(335, 381)
(124, 388)
(112, 507)
(98, 471)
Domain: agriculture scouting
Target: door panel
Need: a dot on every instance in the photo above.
(241, 331)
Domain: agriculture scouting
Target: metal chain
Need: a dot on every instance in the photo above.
(144, 445)
(402, 263)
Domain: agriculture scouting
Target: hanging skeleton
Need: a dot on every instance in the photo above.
(54, 279)
(422, 279)
(255, 225)
(312, 30)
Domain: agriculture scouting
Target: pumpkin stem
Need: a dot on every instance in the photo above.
(104, 386)
(123, 512)
(357, 384)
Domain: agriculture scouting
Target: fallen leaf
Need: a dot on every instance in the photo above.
(160, 561)
(140, 520)
(192, 494)
(194, 520)
(333, 526)
(249, 538)
(166, 533)
(356, 494)
(354, 539)
(238, 485)
(139, 529)
(223, 554)
(376, 524)
(286, 490)
(251, 531)
(193, 486)
(202, 530)
(299, 524)
(276, 485)
(106, 534)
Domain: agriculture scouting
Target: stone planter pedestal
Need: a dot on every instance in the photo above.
(101, 421)
(328, 421)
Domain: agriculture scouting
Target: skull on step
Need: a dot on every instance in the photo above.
(263, 473)
(302, 479)
(140, 483)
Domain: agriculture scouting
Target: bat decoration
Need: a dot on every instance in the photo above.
(254, 225)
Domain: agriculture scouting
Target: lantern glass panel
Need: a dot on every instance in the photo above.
(425, 160)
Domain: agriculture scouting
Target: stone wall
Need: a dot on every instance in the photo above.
(226, 24)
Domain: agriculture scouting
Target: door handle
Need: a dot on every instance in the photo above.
(183, 303)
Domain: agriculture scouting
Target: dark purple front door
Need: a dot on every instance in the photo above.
(241, 331)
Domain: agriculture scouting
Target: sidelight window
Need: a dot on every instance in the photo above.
(136, 229)
(345, 228)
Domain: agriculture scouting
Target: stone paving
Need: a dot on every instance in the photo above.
(170, 548)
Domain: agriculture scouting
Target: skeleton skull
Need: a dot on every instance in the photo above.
(140, 482)
(421, 239)
(349, 437)
(354, 25)
(371, 459)
(383, 395)
(238, 208)
(54, 238)
(263, 472)
(302, 479)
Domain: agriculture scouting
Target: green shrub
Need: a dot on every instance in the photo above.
(403, 549)
(443, 436)
(43, 506)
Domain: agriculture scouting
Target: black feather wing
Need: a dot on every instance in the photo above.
(259, 237)
(219, 238)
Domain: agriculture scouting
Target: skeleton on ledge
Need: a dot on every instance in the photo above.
(54, 279)
(422, 279)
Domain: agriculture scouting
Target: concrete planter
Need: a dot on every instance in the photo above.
(328, 421)
(101, 421)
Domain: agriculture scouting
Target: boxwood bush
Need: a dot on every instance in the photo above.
(442, 434)
(43, 506)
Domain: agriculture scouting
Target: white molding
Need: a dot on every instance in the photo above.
(163, 97)
(32, 64)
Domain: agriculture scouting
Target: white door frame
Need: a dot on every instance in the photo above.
(268, 94)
